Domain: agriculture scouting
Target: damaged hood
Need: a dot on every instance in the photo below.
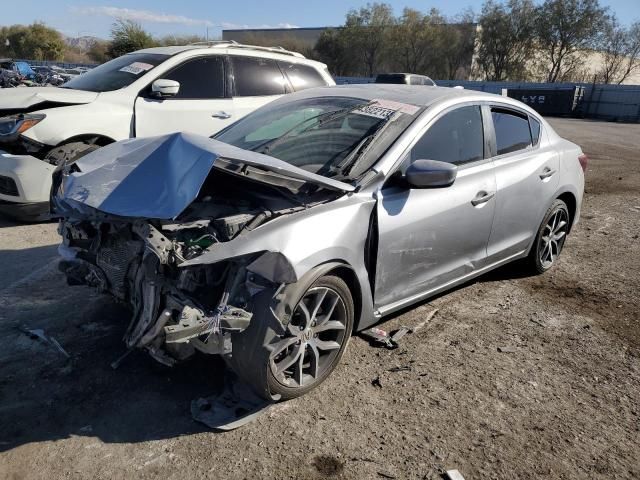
(17, 98)
(159, 177)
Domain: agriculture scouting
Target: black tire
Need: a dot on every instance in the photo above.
(535, 260)
(69, 153)
(252, 358)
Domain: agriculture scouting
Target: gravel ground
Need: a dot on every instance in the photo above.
(514, 377)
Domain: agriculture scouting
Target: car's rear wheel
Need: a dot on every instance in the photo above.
(291, 362)
(550, 239)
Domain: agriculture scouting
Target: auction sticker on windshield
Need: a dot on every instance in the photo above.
(137, 68)
(385, 108)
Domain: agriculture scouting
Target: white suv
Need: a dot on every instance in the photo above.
(198, 88)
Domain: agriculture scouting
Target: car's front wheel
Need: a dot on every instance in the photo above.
(550, 239)
(290, 362)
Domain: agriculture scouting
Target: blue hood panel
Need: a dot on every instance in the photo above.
(159, 177)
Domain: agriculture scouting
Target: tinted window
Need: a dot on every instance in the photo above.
(396, 78)
(199, 78)
(456, 137)
(257, 76)
(512, 131)
(535, 130)
(302, 76)
(117, 73)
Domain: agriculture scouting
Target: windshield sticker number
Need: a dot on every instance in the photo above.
(137, 68)
(396, 106)
(384, 109)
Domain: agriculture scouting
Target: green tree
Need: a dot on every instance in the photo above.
(564, 28)
(506, 41)
(99, 51)
(366, 31)
(332, 48)
(128, 36)
(33, 42)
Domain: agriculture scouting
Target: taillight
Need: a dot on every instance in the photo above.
(583, 159)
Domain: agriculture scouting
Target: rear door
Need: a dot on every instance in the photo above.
(201, 106)
(526, 178)
(256, 82)
(430, 237)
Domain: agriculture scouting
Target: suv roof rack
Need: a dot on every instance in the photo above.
(212, 43)
(234, 44)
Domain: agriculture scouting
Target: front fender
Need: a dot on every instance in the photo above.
(334, 232)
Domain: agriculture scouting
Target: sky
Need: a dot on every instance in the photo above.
(162, 17)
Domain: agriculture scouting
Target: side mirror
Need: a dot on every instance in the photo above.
(163, 88)
(430, 174)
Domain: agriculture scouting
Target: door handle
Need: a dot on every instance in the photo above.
(482, 197)
(222, 115)
(547, 172)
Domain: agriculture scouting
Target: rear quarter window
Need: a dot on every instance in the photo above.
(302, 76)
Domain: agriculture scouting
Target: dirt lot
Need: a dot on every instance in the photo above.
(513, 378)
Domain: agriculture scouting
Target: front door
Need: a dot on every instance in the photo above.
(431, 237)
(201, 106)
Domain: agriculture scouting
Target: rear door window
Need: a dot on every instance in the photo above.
(302, 76)
(456, 137)
(255, 76)
(201, 78)
(512, 131)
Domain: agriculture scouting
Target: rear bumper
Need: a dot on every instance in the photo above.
(26, 182)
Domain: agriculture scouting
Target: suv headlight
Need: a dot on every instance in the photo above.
(14, 125)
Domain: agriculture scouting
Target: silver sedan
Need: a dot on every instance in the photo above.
(314, 217)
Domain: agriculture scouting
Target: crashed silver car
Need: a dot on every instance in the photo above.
(314, 217)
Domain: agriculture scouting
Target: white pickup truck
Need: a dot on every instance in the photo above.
(195, 88)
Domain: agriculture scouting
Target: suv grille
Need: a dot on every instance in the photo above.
(8, 186)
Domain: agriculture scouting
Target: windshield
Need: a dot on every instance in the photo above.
(321, 135)
(117, 73)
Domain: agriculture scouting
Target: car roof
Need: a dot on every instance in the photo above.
(413, 94)
(229, 46)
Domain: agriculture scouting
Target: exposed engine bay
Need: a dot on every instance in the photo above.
(178, 310)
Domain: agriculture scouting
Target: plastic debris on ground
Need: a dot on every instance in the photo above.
(382, 338)
(39, 334)
(454, 475)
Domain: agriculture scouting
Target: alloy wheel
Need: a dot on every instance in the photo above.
(313, 339)
(552, 238)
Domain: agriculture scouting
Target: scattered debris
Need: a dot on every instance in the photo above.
(382, 338)
(38, 333)
(507, 349)
(386, 474)
(424, 322)
(234, 407)
(405, 368)
(116, 363)
(454, 475)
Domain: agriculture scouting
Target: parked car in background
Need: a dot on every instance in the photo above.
(404, 79)
(196, 88)
(312, 217)
(21, 68)
(9, 78)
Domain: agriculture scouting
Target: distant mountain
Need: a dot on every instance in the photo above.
(81, 43)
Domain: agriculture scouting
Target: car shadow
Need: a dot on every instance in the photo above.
(511, 271)
(45, 396)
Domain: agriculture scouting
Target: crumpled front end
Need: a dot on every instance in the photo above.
(175, 310)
